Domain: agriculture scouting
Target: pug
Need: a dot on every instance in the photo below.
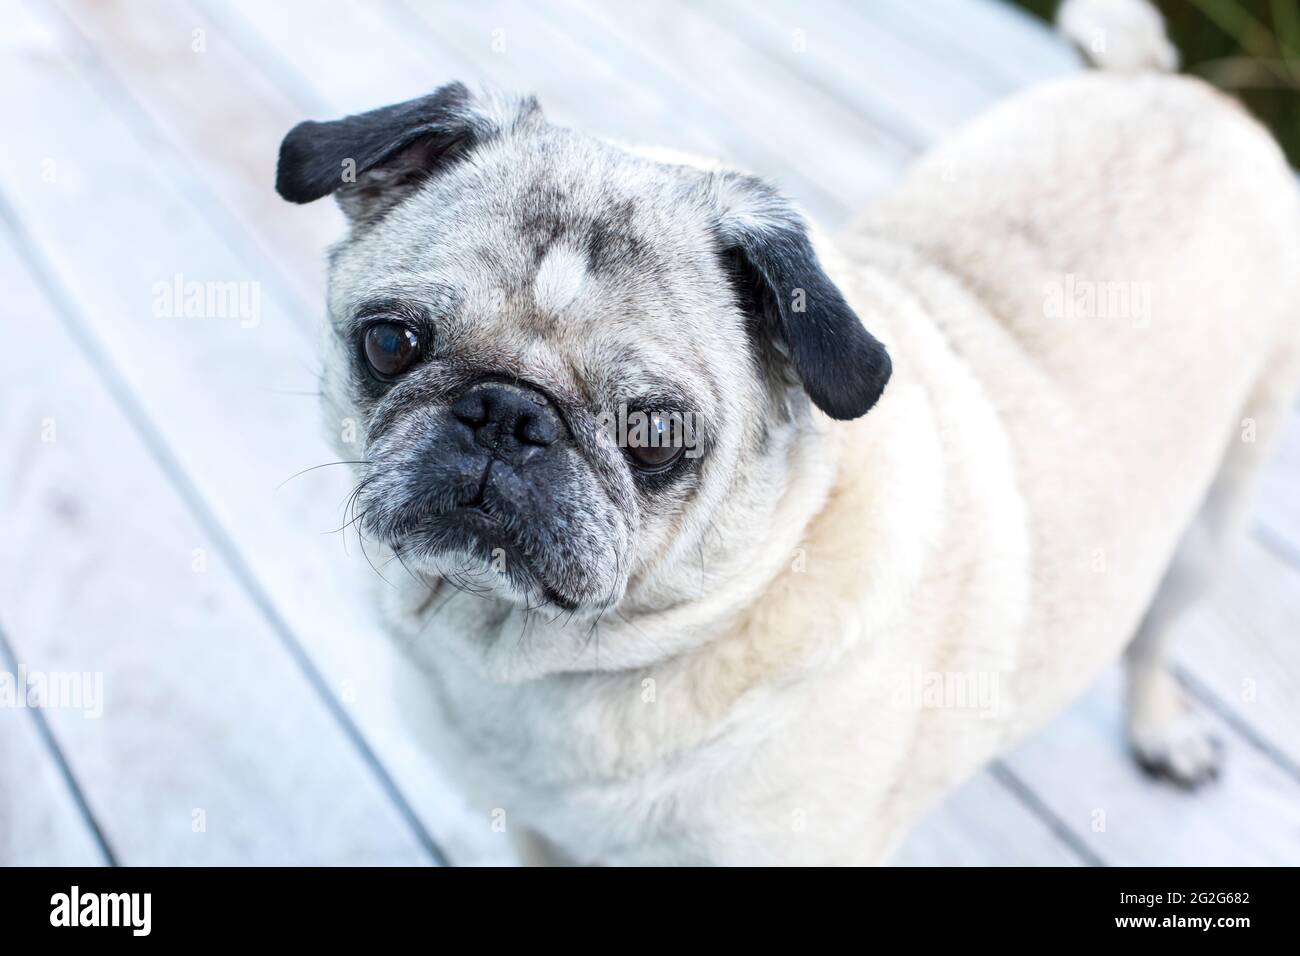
(730, 542)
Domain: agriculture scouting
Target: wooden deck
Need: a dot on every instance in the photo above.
(149, 537)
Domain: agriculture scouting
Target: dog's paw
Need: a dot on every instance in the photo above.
(1181, 750)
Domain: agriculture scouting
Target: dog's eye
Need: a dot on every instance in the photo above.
(389, 348)
(657, 446)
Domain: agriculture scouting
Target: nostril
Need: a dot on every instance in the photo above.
(472, 409)
(537, 428)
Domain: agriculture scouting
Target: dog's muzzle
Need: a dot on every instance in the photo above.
(492, 475)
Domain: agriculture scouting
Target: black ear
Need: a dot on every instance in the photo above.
(373, 160)
(843, 367)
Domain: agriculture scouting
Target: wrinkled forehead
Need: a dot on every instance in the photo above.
(567, 256)
(556, 211)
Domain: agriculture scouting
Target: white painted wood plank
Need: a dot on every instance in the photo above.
(1003, 47)
(189, 72)
(192, 706)
(913, 91)
(1250, 816)
(520, 48)
(1243, 645)
(582, 73)
(232, 404)
(40, 824)
(190, 103)
(982, 824)
(788, 121)
(355, 56)
(976, 69)
(359, 57)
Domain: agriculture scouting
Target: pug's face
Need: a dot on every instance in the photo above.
(578, 373)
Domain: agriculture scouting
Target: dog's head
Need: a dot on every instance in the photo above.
(576, 372)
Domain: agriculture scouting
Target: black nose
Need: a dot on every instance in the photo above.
(511, 421)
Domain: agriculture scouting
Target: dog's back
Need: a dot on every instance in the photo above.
(1131, 247)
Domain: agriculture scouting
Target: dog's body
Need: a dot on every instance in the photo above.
(924, 585)
(1001, 519)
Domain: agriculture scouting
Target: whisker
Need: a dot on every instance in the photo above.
(361, 540)
(397, 553)
(350, 504)
(327, 464)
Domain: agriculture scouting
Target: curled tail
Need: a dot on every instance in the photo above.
(1126, 36)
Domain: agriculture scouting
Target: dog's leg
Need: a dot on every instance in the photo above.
(1167, 738)
(1165, 734)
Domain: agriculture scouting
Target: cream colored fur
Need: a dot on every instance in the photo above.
(1001, 519)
